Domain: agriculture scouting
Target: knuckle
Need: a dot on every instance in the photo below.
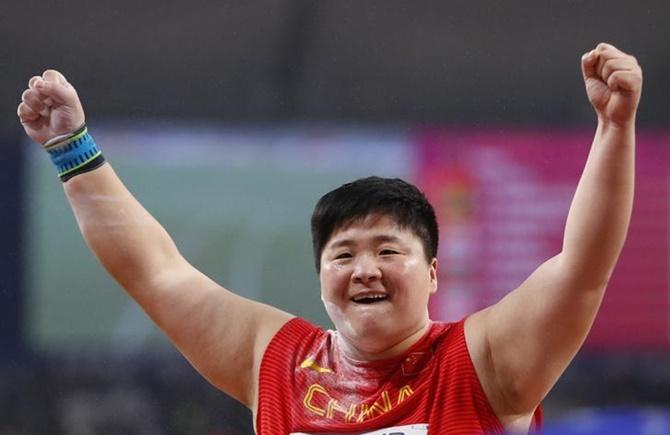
(608, 64)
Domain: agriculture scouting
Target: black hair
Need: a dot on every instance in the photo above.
(403, 202)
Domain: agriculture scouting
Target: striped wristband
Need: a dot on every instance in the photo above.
(74, 154)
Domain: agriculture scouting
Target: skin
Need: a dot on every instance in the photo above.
(374, 255)
(519, 346)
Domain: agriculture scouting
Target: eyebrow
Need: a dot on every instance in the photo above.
(384, 238)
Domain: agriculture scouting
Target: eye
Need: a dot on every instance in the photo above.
(343, 256)
(388, 252)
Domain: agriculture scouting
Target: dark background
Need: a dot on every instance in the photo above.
(334, 62)
(356, 61)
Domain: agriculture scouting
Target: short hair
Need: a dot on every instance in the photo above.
(403, 202)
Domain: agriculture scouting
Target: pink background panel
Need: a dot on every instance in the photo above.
(502, 196)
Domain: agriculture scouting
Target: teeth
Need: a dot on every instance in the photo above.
(372, 296)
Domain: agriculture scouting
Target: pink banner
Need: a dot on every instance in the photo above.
(502, 197)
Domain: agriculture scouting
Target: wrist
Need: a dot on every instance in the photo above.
(57, 140)
(605, 124)
(74, 153)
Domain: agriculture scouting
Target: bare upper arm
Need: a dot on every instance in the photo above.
(522, 344)
(223, 335)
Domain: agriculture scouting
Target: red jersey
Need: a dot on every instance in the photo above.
(309, 386)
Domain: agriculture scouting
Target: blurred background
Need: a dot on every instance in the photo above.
(228, 120)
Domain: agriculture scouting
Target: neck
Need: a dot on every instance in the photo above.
(364, 353)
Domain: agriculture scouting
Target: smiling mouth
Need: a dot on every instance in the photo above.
(369, 299)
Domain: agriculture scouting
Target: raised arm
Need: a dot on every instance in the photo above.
(521, 345)
(223, 335)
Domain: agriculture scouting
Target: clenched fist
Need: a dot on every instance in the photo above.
(50, 107)
(613, 82)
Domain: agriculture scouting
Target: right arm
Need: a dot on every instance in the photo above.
(222, 334)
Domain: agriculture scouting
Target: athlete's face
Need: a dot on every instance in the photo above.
(375, 283)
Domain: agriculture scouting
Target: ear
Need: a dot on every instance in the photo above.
(433, 275)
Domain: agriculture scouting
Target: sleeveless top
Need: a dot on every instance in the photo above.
(309, 386)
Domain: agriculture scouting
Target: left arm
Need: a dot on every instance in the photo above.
(521, 345)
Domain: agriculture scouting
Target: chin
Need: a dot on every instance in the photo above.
(369, 331)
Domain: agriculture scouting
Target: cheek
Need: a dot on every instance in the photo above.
(411, 266)
(413, 278)
(342, 322)
(404, 273)
(334, 280)
(333, 310)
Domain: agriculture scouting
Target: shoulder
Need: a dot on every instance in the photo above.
(293, 340)
(296, 329)
(450, 345)
(284, 355)
(445, 335)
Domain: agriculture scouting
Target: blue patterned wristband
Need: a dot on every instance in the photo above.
(75, 154)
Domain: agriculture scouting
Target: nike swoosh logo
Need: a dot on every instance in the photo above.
(310, 364)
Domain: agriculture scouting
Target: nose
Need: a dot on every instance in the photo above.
(366, 270)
